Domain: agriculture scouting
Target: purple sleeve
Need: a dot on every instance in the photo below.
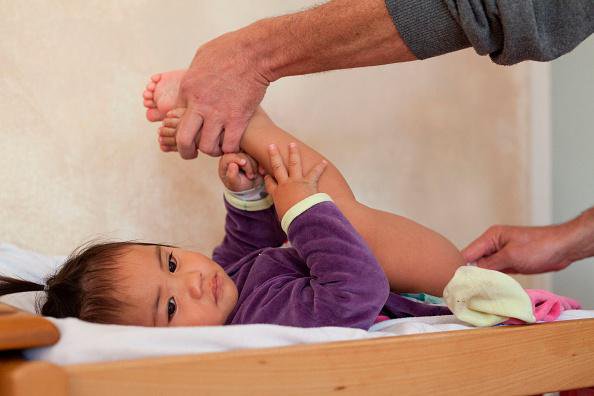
(347, 285)
(247, 231)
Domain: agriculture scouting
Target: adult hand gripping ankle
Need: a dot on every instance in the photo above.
(221, 91)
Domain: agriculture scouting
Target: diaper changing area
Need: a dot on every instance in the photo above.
(449, 360)
(438, 354)
(424, 157)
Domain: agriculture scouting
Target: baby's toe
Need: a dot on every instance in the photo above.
(166, 141)
(156, 77)
(167, 132)
(177, 112)
(149, 103)
(153, 114)
(171, 122)
(147, 94)
(167, 149)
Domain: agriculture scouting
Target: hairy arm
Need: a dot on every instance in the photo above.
(340, 34)
(229, 75)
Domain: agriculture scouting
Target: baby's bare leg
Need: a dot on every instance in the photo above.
(414, 258)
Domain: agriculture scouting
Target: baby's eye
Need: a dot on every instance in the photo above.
(172, 263)
(171, 308)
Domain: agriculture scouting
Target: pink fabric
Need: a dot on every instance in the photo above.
(546, 306)
(380, 318)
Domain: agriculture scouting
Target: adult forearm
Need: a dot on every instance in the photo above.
(582, 243)
(337, 35)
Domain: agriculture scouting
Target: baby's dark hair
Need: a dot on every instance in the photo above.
(83, 287)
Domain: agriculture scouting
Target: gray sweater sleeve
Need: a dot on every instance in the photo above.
(510, 31)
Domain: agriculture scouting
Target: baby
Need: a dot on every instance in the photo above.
(343, 259)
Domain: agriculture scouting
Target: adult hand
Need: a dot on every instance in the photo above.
(221, 91)
(526, 250)
(229, 75)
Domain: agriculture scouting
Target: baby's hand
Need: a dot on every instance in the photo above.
(287, 189)
(239, 172)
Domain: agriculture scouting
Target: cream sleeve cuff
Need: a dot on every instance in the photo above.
(250, 206)
(301, 207)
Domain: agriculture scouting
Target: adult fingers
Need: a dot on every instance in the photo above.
(188, 128)
(209, 138)
(276, 163)
(295, 168)
(233, 132)
(270, 184)
(314, 174)
(498, 262)
(482, 246)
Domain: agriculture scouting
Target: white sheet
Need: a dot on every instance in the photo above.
(83, 342)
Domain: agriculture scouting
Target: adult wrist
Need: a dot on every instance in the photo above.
(582, 245)
(336, 35)
(268, 48)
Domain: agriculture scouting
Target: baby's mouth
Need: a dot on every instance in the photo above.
(215, 288)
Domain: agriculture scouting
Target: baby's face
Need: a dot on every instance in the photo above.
(167, 286)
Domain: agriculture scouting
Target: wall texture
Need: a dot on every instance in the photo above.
(573, 157)
(443, 142)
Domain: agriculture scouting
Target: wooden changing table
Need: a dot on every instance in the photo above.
(502, 360)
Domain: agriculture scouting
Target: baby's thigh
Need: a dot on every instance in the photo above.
(414, 258)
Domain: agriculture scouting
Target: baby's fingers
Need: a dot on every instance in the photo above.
(295, 169)
(228, 159)
(276, 163)
(248, 167)
(270, 184)
(232, 172)
(316, 172)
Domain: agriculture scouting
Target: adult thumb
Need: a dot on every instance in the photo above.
(187, 130)
(480, 247)
(496, 262)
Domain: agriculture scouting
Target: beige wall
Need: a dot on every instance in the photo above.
(443, 142)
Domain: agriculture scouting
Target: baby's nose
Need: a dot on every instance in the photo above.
(195, 285)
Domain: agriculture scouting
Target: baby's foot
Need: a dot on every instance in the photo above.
(168, 129)
(161, 93)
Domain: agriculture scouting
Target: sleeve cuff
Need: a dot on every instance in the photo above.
(301, 207)
(250, 206)
(427, 27)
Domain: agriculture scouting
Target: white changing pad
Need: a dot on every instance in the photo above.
(83, 342)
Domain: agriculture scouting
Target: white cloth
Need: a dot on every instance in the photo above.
(83, 342)
(484, 297)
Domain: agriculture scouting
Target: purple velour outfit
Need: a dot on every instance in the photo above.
(328, 277)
